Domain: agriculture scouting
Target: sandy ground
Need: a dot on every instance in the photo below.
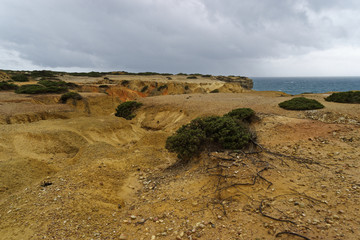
(95, 176)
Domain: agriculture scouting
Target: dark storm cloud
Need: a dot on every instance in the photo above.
(215, 36)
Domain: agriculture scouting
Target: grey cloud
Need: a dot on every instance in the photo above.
(211, 36)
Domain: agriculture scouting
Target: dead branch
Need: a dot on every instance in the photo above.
(273, 218)
(291, 233)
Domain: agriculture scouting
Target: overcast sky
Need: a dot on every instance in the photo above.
(240, 37)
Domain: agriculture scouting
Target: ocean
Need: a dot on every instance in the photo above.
(298, 85)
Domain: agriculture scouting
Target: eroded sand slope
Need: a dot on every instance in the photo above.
(91, 175)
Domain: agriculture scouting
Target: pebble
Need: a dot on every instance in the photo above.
(153, 237)
(133, 217)
(123, 237)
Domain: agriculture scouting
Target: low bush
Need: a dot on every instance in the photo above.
(7, 86)
(20, 78)
(344, 97)
(43, 86)
(70, 95)
(226, 132)
(43, 73)
(301, 103)
(144, 88)
(191, 77)
(162, 87)
(31, 89)
(126, 109)
(242, 114)
(125, 83)
(103, 86)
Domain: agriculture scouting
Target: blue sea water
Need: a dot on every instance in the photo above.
(298, 85)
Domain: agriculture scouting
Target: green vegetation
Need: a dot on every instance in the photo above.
(144, 88)
(43, 86)
(242, 114)
(226, 132)
(301, 103)
(20, 77)
(126, 109)
(103, 86)
(344, 97)
(31, 89)
(191, 77)
(206, 75)
(88, 74)
(125, 83)
(162, 87)
(70, 95)
(186, 87)
(43, 74)
(7, 86)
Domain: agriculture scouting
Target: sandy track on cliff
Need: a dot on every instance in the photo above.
(110, 178)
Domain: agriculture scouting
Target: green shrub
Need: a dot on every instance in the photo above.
(215, 91)
(162, 87)
(87, 74)
(41, 88)
(144, 88)
(186, 87)
(206, 75)
(31, 89)
(125, 83)
(42, 73)
(191, 77)
(7, 86)
(344, 97)
(70, 95)
(242, 114)
(126, 109)
(54, 86)
(301, 103)
(226, 132)
(52, 83)
(72, 85)
(20, 78)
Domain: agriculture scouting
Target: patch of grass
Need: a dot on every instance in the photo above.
(70, 95)
(226, 132)
(7, 86)
(344, 97)
(20, 77)
(301, 103)
(126, 109)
